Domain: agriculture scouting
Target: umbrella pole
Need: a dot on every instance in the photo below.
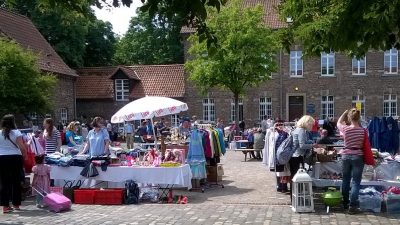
(154, 134)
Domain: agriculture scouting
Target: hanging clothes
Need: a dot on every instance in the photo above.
(389, 136)
(374, 130)
(196, 158)
(221, 140)
(207, 143)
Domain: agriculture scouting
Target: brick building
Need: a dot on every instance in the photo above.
(102, 91)
(321, 87)
(20, 29)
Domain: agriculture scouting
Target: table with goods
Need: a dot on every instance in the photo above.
(380, 183)
(155, 175)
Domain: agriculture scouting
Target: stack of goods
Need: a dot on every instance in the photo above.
(370, 200)
(324, 155)
(392, 199)
(331, 175)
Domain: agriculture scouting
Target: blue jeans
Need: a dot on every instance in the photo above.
(353, 166)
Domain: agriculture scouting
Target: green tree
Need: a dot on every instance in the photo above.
(246, 53)
(76, 35)
(100, 44)
(151, 41)
(23, 88)
(351, 26)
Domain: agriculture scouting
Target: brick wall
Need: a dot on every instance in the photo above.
(312, 85)
(64, 97)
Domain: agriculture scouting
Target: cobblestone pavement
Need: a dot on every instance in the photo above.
(249, 197)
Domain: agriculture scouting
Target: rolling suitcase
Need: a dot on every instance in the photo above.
(55, 201)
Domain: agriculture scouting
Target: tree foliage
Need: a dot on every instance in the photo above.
(151, 41)
(23, 87)
(75, 34)
(246, 53)
(351, 26)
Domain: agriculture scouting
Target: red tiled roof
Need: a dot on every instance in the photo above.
(159, 80)
(271, 14)
(128, 72)
(154, 80)
(93, 83)
(21, 29)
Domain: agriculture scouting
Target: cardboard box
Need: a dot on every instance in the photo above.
(215, 173)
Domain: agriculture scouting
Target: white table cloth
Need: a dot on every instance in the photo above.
(177, 176)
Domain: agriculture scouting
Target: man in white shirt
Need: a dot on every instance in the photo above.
(264, 124)
(128, 131)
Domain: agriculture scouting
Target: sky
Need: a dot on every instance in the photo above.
(118, 17)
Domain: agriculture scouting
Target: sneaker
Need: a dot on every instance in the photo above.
(184, 200)
(354, 210)
(6, 209)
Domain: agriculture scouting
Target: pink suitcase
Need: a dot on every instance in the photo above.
(56, 202)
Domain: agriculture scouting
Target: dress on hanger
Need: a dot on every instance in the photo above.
(196, 158)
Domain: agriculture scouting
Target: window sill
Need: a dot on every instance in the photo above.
(127, 100)
(359, 74)
(296, 77)
(327, 76)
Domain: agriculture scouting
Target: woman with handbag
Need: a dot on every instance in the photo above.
(12, 152)
(352, 157)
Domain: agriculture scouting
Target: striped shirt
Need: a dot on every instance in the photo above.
(51, 142)
(353, 139)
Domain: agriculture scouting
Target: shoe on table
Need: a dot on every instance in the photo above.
(354, 210)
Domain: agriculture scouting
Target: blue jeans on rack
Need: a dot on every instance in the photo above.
(353, 166)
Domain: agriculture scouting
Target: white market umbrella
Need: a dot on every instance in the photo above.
(147, 108)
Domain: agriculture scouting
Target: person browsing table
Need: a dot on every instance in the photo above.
(98, 139)
(129, 129)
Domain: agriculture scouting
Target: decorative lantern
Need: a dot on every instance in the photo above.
(302, 194)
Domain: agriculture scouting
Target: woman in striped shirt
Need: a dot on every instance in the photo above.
(352, 157)
(52, 136)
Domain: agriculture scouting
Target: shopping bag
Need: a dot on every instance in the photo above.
(89, 171)
(368, 156)
(69, 188)
(29, 161)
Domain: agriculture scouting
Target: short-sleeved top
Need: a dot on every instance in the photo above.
(97, 141)
(51, 142)
(353, 139)
(67, 136)
(6, 146)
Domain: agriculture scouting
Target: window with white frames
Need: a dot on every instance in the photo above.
(327, 64)
(233, 110)
(122, 90)
(359, 66)
(296, 64)
(359, 99)
(64, 115)
(174, 120)
(391, 61)
(389, 105)
(265, 107)
(208, 110)
(327, 107)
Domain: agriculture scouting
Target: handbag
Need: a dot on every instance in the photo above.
(69, 188)
(29, 160)
(368, 156)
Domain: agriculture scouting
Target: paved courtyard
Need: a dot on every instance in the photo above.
(249, 197)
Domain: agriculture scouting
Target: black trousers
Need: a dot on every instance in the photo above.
(294, 164)
(10, 179)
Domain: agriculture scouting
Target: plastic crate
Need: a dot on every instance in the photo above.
(112, 196)
(84, 196)
(392, 203)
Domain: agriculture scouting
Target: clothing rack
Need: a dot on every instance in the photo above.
(204, 126)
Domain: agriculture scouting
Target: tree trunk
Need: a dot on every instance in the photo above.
(236, 99)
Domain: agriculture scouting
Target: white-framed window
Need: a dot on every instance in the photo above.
(327, 107)
(233, 110)
(391, 61)
(296, 63)
(64, 115)
(359, 66)
(265, 108)
(359, 99)
(327, 64)
(208, 110)
(175, 120)
(122, 90)
(389, 105)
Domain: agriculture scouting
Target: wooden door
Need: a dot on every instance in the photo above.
(296, 107)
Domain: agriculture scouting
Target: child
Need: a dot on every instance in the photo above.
(41, 179)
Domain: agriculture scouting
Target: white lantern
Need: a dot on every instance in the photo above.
(302, 194)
